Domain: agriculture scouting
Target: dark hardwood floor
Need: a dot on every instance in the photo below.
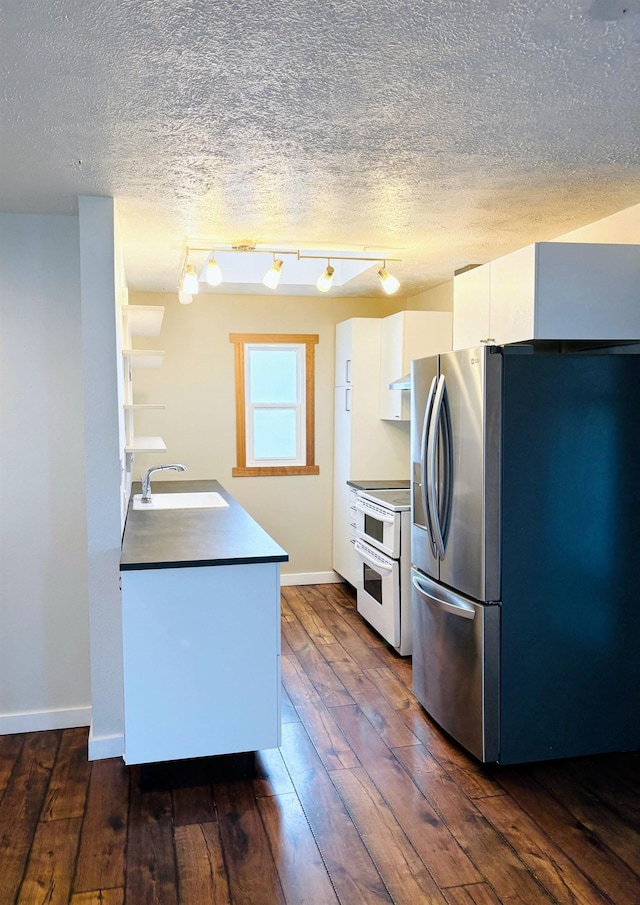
(367, 801)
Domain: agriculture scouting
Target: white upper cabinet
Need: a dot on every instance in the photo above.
(344, 352)
(404, 336)
(471, 307)
(552, 291)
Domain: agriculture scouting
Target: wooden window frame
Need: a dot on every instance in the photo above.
(240, 340)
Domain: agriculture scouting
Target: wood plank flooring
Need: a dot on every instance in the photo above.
(367, 801)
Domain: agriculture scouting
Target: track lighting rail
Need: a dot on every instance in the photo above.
(188, 284)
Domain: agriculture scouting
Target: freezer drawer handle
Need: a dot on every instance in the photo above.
(465, 610)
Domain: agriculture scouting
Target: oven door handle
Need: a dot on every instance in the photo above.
(372, 562)
(387, 519)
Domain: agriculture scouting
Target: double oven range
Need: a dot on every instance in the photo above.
(383, 537)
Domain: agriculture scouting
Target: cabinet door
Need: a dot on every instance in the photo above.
(587, 291)
(201, 650)
(343, 364)
(512, 294)
(341, 474)
(392, 333)
(405, 336)
(471, 307)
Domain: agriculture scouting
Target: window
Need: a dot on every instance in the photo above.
(275, 422)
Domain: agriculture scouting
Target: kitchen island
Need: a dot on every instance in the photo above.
(201, 630)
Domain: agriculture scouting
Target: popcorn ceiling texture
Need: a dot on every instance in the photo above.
(451, 130)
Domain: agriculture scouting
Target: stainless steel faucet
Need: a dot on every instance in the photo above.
(146, 480)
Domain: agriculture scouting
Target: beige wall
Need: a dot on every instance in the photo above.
(196, 382)
(622, 227)
(440, 298)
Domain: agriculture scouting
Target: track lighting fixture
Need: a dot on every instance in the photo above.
(188, 285)
(190, 280)
(272, 276)
(214, 274)
(325, 279)
(389, 283)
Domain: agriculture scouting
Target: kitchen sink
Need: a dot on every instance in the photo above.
(197, 500)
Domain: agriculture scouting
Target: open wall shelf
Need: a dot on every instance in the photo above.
(146, 444)
(143, 358)
(143, 320)
(140, 320)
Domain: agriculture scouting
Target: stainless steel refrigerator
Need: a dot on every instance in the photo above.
(525, 549)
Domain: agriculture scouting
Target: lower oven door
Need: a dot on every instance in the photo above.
(379, 591)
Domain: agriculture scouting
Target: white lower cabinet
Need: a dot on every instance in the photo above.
(201, 661)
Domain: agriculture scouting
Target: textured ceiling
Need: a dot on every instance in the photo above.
(450, 131)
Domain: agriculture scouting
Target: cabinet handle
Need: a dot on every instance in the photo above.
(347, 399)
(489, 340)
(347, 371)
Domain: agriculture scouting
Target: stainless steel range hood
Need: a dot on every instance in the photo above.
(403, 383)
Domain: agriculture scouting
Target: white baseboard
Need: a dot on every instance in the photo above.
(310, 578)
(103, 746)
(41, 720)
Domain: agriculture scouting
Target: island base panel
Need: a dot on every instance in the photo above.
(201, 661)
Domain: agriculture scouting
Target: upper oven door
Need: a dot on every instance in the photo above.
(378, 526)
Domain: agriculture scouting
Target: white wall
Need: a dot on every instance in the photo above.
(196, 383)
(101, 288)
(44, 633)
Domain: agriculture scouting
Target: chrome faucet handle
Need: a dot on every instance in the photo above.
(146, 478)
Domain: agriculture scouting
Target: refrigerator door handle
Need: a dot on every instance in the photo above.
(432, 456)
(450, 604)
(428, 416)
(448, 467)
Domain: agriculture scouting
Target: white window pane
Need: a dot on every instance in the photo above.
(274, 434)
(273, 376)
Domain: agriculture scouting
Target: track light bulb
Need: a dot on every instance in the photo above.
(389, 283)
(185, 298)
(190, 281)
(272, 276)
(325, 279)
(214, 274)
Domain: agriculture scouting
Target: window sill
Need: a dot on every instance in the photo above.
(259, 472)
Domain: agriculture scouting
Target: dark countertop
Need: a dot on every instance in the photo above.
(182, 538)
(379, 485)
